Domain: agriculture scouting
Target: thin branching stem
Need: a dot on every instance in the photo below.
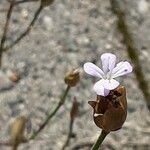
(51, 114)
(6, 27)
(131, 49)
(26, 32)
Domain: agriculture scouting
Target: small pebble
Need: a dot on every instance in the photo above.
(48, 22)
(24, 13)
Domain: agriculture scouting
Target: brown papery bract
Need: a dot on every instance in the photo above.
(110, 112)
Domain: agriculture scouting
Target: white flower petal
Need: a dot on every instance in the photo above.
(93, 70)
(99, 88)
(122, 68)
(108, 62)
(110, 84)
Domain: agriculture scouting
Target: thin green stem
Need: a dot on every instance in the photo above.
(51, 114)
(100, 140)
(36, 15)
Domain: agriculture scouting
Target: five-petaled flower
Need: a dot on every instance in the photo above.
(110, 70)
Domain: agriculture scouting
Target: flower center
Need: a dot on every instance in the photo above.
(107, 76)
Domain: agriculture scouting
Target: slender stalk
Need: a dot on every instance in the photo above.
(69, 134)
(51, 114)
(131, 49)
(9, 13)
(100, 140)
(36, 15)
(73, 114)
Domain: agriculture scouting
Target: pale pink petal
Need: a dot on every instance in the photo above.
(110, 84)
(108, 62)
(93, 70)
(122, 68)
(99, 88)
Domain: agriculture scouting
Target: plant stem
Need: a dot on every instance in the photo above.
(100, 140)
(69, 134)
(51, 114)
(73, 113)
(37, 13)
(6, 29)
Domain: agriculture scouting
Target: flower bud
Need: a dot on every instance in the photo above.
(17, 129)
(46, 3)
(110, 112)
(72, 77)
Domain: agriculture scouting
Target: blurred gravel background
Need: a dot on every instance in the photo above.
(68, 34)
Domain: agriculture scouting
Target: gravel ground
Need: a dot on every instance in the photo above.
(68, 34)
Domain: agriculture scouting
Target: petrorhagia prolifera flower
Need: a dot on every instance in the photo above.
(109, 71)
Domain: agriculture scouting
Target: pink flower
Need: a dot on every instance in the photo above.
(109, 71)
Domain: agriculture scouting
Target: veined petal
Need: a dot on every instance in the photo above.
(122, 68)
(99, 88)
(110, 84)
(93, 70)
(108, 62)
